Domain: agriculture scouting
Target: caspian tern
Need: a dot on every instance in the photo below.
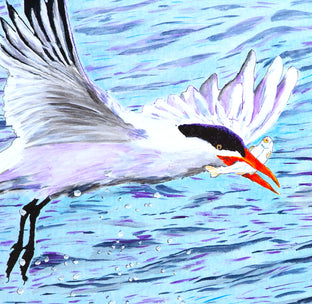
(71, 134)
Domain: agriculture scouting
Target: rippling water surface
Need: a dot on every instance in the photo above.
(197, 239)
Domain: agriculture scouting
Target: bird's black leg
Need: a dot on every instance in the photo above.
(32, 210)
(18, 246)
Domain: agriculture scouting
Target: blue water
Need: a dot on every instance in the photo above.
(197, 239)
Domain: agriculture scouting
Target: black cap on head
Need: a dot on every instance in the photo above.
(220, 137)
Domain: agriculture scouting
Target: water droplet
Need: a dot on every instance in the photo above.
(169, 241)
(146, 205)
(20, 291)
(179, 298)
(66, 257)
(135, 278)
(138, 263)
(127, 266)
(101, 217)
(137, 210)
(119, 273)
(65, 263)
(99, 251)
(109, 252)
(53, 268)
(76, 276)
(116, 268)
(123, 247)
(157, 195)
(77, 193)
(72, 294)
(38, 262)
(61, 278)
(127, 206)
(182, 302)
(130, 279)
(140, 242)
(120, 233)
(22, 262)
(162, 270)
(75, 262)
(127, 302)
(131, 264)
(188, 251)
(46, 259)
(111, 302)
(108, 173)
(120, 199)
(22, 212)
(149, 205)
(158, 248)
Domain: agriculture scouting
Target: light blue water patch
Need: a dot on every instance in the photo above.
(196, 239)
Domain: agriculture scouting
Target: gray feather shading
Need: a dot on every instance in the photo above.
(48, 98)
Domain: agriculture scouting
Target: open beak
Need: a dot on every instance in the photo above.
(252, 161)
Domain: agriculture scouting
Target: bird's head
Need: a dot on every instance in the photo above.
(229, 147)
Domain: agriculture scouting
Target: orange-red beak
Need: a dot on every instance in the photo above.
(253, 162)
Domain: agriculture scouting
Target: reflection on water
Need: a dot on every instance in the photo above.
(197, 239)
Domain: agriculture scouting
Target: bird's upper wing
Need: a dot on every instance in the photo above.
(48, 98)
(247, 111)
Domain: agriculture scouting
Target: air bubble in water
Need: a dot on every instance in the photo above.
(76, 276)
(158, 248)
(77, 193)
(169, 241)
(38, 262)
(20, 291)
(22, 262)
(120, 233)
(66, 257)
(46, 259)
(157, 195)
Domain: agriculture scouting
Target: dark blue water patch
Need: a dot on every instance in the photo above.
(224, 7)
(307, 246)
(268, 33)
(186, 61)
(167, 22)
(297, 54)
(102, 11)
(129, 243)
(144, 49)
(302, 301)
(288, 293)
(286, 14)
(108, 29)
(166, 189)
(137, 76)
(305, 68)
(290, 272)
(237, 29)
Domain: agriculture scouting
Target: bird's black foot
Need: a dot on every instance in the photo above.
(31, 210)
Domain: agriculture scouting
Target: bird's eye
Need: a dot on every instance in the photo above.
(219, 147)
(266, 140)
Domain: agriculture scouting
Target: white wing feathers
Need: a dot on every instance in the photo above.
(48, 98)
(238, 106)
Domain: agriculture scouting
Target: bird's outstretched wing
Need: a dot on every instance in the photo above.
(246, 110)
(48, 98)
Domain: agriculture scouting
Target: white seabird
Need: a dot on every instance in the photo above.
(70, 133)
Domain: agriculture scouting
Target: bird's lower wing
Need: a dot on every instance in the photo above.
(239, 106)
(48, 98)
